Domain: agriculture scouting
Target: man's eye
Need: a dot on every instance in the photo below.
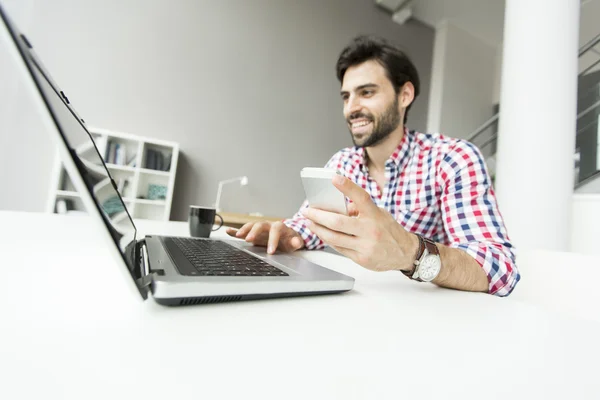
(368, 93)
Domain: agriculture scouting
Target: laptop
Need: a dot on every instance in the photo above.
(173, 270)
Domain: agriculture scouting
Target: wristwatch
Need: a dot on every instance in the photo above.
(427, 262)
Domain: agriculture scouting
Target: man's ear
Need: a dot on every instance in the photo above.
(406, 95)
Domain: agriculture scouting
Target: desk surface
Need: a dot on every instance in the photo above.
(236, 220)
(72, 329)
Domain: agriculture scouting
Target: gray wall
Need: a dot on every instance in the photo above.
(245, 87)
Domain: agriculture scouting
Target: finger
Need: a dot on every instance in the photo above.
(333, 238)
(335, 222)
(256, 233)
(232, 232)
(361, 199)
(274, 235)
(243, 231)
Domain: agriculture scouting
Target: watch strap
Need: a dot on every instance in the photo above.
(431, 247)
(420, 251)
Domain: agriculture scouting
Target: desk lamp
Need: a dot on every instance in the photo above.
(243, 182)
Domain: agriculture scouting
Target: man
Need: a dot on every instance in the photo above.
(421, 204)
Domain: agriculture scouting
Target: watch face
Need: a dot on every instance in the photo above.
(429, 268)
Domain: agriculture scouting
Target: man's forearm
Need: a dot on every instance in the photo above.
(460, 271)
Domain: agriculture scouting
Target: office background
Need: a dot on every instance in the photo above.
(246, 88)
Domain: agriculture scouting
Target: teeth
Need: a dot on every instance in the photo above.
(359, 124)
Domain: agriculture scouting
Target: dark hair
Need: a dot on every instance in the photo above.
(399, 69)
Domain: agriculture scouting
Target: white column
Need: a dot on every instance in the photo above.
(536, 141)
(436, 88)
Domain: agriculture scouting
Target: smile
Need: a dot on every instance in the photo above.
(360, 124)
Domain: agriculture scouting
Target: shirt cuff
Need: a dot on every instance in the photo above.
(500, 268)
(311, 240)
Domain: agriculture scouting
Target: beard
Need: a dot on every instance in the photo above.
(383, 125)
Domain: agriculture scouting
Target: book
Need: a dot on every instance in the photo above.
(112, 150)
(159, 161)
(150, 159)
(121, 154)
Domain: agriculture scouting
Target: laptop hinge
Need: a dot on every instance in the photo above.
(145, 279)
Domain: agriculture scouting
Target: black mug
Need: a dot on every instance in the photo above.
(202, 220)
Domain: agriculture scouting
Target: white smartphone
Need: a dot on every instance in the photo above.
(320, 191)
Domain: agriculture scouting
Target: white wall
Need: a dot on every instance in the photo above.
(245, 87)
(25, 149)
(463, 81)
(585, 224)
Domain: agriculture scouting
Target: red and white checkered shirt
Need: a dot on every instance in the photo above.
(437, 187)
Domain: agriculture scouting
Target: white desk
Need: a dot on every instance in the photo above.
(71, 329)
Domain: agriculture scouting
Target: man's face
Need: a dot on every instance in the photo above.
(371, 106)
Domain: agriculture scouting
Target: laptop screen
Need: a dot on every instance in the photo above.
(82, 148)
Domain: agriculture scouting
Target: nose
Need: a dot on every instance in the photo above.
(352, 106)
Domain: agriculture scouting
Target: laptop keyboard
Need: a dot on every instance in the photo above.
(215, 258)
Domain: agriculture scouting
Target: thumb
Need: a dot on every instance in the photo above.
(296, 243)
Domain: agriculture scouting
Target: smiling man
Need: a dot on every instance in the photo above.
(421, 204)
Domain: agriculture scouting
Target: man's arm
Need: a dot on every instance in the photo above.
(372, 238)
(377, 242)
(473, 222)
(460, 271)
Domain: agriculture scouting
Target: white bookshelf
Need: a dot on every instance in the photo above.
(139, 163)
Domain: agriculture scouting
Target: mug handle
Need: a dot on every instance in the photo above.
(221, 224)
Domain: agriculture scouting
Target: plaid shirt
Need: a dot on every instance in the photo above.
(437, 187)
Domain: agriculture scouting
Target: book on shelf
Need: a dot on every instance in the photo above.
(150, 159)
(116, 153)
(121, 154)
(156, 160)
(111, 150)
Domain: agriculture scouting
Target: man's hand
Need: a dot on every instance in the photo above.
(275, 236)
(369, 236)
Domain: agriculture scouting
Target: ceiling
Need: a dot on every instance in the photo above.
(481, 18)
(485, 18)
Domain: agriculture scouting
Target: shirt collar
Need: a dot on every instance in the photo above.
(398, 157)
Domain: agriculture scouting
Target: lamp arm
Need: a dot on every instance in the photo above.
(219, 195)
(239, 178)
